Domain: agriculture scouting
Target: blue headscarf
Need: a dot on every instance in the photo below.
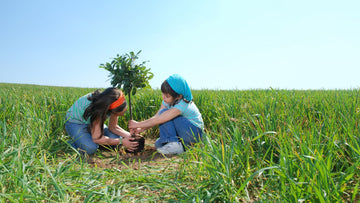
(180, 86)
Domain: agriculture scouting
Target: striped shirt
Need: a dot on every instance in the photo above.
(76, 111)
(189, 111)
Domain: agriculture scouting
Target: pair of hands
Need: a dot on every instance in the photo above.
(134, 128)
(129, 144)
(128, 140)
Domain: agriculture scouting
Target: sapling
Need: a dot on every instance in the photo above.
(125, 74)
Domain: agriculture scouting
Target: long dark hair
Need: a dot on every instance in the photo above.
(99, 106)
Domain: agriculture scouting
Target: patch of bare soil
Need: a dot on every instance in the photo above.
(120, 159)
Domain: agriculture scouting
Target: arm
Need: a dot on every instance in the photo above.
(138, 130)
(114, 128)
(155, 120)
(98, 138)
(104, 140)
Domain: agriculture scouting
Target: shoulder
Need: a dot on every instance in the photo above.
(182, 105)
(186, 103)
(82, 102)
(84, 97)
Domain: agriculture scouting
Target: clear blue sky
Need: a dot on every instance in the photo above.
(213, 44)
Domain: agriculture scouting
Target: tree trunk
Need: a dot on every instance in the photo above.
(139, 139)
(131, 116)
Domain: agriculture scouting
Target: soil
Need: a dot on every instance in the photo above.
(141, 142)
(121, 159)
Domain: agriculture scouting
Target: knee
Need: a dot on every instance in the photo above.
(162, 111)
(158, 143)
(110, 134)
(88, 148)
(91, 149)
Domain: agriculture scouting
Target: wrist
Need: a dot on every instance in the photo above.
(127, 135)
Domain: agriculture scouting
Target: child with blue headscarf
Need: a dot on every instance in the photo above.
(179, 119)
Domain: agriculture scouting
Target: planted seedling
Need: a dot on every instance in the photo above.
(125, 74)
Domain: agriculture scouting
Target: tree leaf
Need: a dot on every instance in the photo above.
(125, 74)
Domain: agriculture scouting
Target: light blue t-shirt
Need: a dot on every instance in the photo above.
(189, 111)
(76, 111)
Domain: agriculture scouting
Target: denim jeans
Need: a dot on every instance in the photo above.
(178, 129)
(81, 138)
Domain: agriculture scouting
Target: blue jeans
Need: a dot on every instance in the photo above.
(81, 137)
(178, 129)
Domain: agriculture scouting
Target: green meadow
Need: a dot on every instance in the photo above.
(260, 145)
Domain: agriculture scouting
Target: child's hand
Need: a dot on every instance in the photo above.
(127, 142)
(135, 128)
(133, 124)
(136, 131)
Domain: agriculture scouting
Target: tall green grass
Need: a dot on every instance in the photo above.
(282, 145)
(260, 145)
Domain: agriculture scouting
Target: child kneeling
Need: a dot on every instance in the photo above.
(179, 119)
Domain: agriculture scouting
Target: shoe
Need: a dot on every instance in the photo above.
(171, 148)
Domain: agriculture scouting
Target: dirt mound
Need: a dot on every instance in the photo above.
(120, 159)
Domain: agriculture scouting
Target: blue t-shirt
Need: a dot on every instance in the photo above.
(189, 111)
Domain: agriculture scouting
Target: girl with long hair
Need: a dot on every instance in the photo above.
(85, 121)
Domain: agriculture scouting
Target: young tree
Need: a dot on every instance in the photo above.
(125, 74)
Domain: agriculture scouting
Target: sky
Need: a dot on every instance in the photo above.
(213, 44)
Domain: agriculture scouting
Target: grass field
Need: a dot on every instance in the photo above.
(260, 145)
